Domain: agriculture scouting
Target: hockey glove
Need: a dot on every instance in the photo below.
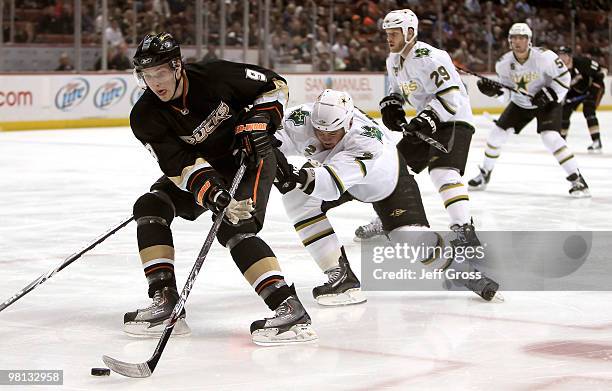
(252, 136)
(215, 197)
(289, 178)
(544, 97)
(392, 112)
(286, 175)
(489, 88)
(426, 122)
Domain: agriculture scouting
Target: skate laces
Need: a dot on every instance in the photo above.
(284, 308)
(157, 299)
(333, 275)
(374, 226)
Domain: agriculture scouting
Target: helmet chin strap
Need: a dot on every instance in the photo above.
(176, 81)
(408, 43)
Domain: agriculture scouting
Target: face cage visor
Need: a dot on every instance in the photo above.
(140, 80)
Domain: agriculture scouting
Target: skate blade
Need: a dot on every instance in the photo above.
(300, 333)
(595, 151)
(477, 188)
(581, 194)
(141, 329)
(498, 298)
(374, 238)
(348, 297)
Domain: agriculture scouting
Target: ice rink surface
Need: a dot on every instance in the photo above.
(61, 189)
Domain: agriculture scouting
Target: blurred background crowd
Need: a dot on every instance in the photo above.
(340, 35)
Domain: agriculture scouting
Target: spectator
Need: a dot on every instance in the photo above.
(120, 60)
(65, 64)
(113, 34)
(210, 55)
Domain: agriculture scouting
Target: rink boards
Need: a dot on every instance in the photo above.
(46, 101)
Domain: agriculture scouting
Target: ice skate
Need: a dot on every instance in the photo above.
(342, 287)
(595, 147)
(290, 324)
(481, 180)
(579, 188)
(151, 321)
(465, 236)
(370, 231)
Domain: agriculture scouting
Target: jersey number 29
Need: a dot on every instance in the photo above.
(439, 75)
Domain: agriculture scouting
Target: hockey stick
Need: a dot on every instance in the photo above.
(437, 145)
(575, 99)
(494, 82)
(44, 277)
(146, 369)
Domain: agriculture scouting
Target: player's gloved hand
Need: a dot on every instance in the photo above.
(489, 87)
(239, 210)
(286, 174)
(392, 112)
(216, 198)
(426, 122)
(302, 179)
(252, 136)
(544, 97)
(306, 178)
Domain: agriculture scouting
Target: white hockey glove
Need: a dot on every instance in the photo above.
(239, 210)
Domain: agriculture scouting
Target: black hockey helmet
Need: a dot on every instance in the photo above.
(157, 49)
(565, 50)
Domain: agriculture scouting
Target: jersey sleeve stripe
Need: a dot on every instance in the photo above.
(447, 106)
(563, 74)
(187, 172)
(561, 84)
(362, 166)
(447, 90)
(336, 178)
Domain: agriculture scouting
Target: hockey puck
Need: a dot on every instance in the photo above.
(100, 371)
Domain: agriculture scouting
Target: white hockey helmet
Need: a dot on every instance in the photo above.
(520, 29)
(332, 110)
(403, 19)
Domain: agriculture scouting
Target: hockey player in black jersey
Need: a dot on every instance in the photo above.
(588, 88)
(196, 119)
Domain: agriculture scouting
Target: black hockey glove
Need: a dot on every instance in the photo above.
(252, 136)
(489, 88)
(426, 122)
(286, 175)
(544, 97)
(288, 178)
(392, 112)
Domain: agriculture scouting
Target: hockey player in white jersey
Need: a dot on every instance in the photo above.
(350, 158)
(542, 80)
(425, 78)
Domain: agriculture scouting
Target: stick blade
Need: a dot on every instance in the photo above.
(127, 369)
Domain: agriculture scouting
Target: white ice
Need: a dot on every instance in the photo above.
(61, 189)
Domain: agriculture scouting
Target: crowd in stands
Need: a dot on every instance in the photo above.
(301, 31)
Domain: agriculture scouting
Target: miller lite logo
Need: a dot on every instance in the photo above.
(72, 94)
(110, 93)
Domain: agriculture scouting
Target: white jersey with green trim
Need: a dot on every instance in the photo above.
(427, 79)
(365, 161)
(543, 68)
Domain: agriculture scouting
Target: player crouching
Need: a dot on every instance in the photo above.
(350, 158)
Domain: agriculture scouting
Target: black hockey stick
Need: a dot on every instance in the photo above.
(494, 82)
(44, 277)
(436, 144)
(146, 369)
